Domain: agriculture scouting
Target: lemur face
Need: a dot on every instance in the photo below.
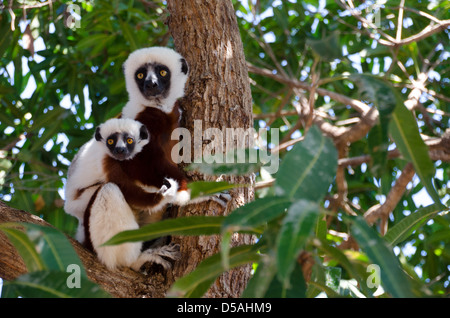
(121, 145)
(154, 77)
(153, 80)
(124, 138)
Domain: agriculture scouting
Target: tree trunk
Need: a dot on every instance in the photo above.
(217, 95)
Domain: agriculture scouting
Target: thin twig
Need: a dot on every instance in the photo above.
(393, 198)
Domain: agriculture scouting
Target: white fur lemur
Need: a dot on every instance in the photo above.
(155, 78)
(120, 200)
(123, 203)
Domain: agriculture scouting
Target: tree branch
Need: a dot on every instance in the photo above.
(393, 198)
(359, 106)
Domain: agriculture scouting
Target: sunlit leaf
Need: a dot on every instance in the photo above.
(51, 284)
(393, 279)
(406, 135)
(193, 225)
(406, 226)
(211, 268)
(205, 188)
(256, 213)
(297, 226)
(24, 246)
(308, 168)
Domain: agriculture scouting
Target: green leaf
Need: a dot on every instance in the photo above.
(259, 283)
(393, 279)
(327, 48)
(24, 246)
(92, 40)
(192, 225)
(55, 249)
(225, 246)
(405, 132)
(342, 259)
(378, 142)
(296, 228)
(23, 199)
(295, 289)
(406, 226)
(51, 284)
(45, 120)
(211, 268)
(383, 96)
(50, 131)
(378, 92)
(206, 188)
(308, 169)
(333, 278)
(256, 213)
(129, 34)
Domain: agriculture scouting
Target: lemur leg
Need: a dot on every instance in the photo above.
(110, 214)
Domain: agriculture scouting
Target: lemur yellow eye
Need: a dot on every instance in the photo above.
(163, 73)
(140, 75)
(130, 141)
(110, 141)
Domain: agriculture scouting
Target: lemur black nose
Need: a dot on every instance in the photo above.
(119, 150)
(151, 84)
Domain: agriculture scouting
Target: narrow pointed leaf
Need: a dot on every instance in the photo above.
(260, 281)
(393, 279)
(205, 188)
(50, 284)
(343, 260)
(296, 228)
(308, 168)
(405, 132)
(24, 246)
(406, 226)
(193, 225)
(55, 249)
(383, 97)
(295, 289)
(256, 213)
(211, 268)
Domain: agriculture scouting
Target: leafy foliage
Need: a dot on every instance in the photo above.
(51, 269)
(376, 87)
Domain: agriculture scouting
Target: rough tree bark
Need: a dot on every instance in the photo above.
(218, 94)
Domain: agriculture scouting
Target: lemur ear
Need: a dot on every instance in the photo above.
(184, 66)
(143, 133)
(98, 136)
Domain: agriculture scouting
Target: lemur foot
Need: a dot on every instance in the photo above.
(222, 198)
(162, 255)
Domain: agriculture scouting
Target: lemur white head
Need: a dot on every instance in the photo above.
(122, 137)
(155, 77)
